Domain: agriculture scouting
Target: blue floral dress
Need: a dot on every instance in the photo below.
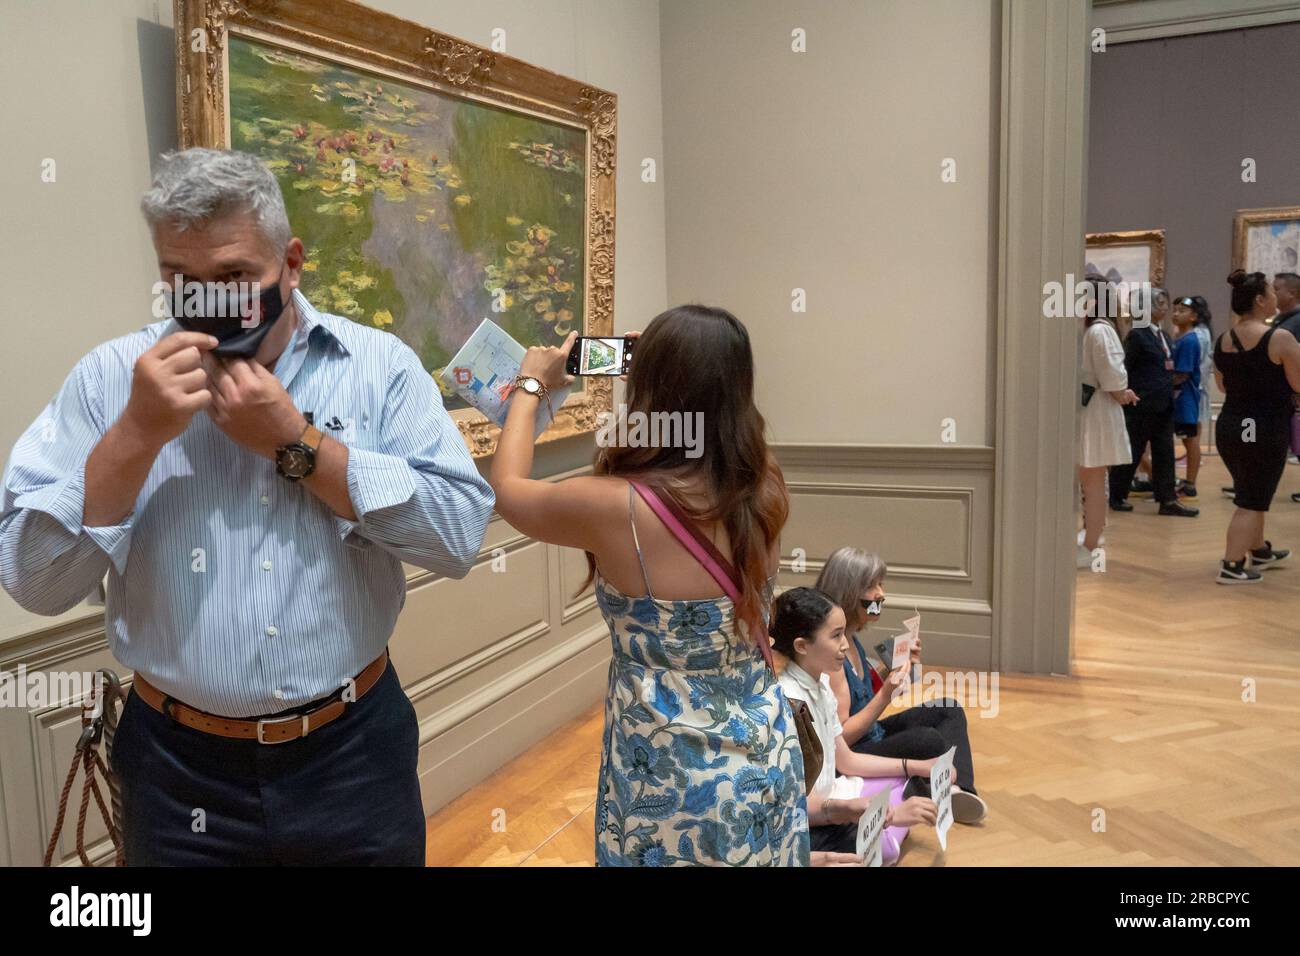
(700, 763)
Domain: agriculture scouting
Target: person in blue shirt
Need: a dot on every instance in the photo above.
(1187, 394)
(251, 475)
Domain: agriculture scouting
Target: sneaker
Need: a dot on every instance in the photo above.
(1236, 572)
(1120, 506)
(1181, 511)
(1268, 556)
(1186, 489)
(967, 807)
(1141, 488)
(1082, 558)
(1296, 497)
(1083, 533)
(1228, 490)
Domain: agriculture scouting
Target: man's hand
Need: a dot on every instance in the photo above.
(168, 386)
(251, 406)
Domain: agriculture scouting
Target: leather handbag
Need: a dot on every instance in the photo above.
(809, 742)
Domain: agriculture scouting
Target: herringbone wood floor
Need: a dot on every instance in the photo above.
(1151, 729)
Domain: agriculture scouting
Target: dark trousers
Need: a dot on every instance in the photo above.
(929, 730)
(347, 794)
(834, 837)
(1156, 427)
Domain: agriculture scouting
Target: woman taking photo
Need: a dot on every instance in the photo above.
(855, 581)
(700, 762)
(1103, 437)
(1257, 367)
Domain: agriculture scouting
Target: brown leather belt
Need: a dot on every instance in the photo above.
(272, 730)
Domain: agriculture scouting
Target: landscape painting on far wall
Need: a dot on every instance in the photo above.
(1132, 257)
(1266, 240)
(420, 211)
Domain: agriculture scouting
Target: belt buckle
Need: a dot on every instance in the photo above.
(261, 739)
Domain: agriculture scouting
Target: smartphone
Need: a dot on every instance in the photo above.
(598, 356)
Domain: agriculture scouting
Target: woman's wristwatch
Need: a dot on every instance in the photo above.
(535, 386)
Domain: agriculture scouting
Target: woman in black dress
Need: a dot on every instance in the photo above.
(1258, 369)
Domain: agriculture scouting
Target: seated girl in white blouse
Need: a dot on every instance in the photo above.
(808, 630)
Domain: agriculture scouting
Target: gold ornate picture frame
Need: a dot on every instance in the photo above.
(1266, 240)
(384, 48)
(1127, 253)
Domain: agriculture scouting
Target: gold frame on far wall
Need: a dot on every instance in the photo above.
(1155, 238)
(1245, 218)
(359, 38)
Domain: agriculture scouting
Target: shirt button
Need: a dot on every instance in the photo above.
(272, 630)
(278, 694)
(266, 565)
(266, 499)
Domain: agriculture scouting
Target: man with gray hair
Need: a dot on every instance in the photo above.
(251, 475)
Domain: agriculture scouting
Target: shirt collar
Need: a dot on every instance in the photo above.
(311, 320)
(803, 678)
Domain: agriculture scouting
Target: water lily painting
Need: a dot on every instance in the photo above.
(427, 198)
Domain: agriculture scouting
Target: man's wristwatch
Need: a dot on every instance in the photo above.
(534, 386)
(297, 460)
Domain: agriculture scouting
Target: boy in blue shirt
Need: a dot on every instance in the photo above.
(1187, 396)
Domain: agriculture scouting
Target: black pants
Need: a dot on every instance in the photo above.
(1157, 427)
(347, 794)
(834, 837)
(929, 730)
(1256, 466)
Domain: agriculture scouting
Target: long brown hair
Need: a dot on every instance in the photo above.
(697, 359)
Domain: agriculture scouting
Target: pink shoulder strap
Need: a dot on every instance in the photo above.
(702, 549)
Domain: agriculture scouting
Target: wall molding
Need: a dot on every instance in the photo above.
(47, 648)
(964, 495)
(854, 455)
(1127, 21)
(436, 724)
(919, 602)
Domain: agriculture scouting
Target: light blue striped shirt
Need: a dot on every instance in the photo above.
(229, 587)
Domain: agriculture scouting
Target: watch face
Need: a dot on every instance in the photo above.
(531, 385)
(294, 462)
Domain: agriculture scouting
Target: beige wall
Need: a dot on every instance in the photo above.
(820, 171)
(492, 663)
